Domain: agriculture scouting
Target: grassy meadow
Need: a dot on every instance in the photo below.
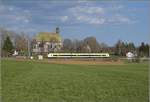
(28, 81)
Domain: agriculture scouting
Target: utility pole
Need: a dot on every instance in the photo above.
(29, 50)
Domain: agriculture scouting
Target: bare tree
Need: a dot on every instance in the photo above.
(21, 43)
(67, 45)
(92, 43)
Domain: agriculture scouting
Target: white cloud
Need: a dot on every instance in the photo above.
(90, 20)
(117, 7)
(21, 18)
(26, 29)
(86, 9)
(13, 14)
(27, 11)
(120, 19)
(11, 8)
(4, 9)
(98, 15)
(97, 21)
(83, 12)
(26, 20)
(82, 1)
(15, 19)
(64, 18)
(88, 15)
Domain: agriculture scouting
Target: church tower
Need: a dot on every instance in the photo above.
(57, 30)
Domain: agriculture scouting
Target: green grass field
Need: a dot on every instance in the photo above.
(27, 81)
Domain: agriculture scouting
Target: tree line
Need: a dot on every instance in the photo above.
(11, 41)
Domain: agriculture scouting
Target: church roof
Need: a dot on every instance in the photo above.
(48, 37)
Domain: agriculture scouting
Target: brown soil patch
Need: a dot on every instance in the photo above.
(87, 62)
(74, 61)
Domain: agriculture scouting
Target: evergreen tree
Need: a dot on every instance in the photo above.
(144, 49)
(147, 50)
(8, 46)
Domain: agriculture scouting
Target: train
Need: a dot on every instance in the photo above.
(78, 55)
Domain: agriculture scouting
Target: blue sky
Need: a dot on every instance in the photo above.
(108, 21)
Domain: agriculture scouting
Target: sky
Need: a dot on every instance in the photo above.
(108, 21)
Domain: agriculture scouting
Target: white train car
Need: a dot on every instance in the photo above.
(78, 55)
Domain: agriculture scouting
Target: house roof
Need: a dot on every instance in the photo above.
(48, 37)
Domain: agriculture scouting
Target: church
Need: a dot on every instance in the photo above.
(45, 42)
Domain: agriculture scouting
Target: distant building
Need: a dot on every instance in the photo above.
(45, 42)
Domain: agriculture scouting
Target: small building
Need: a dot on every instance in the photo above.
(130, 55)
(45, 42)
